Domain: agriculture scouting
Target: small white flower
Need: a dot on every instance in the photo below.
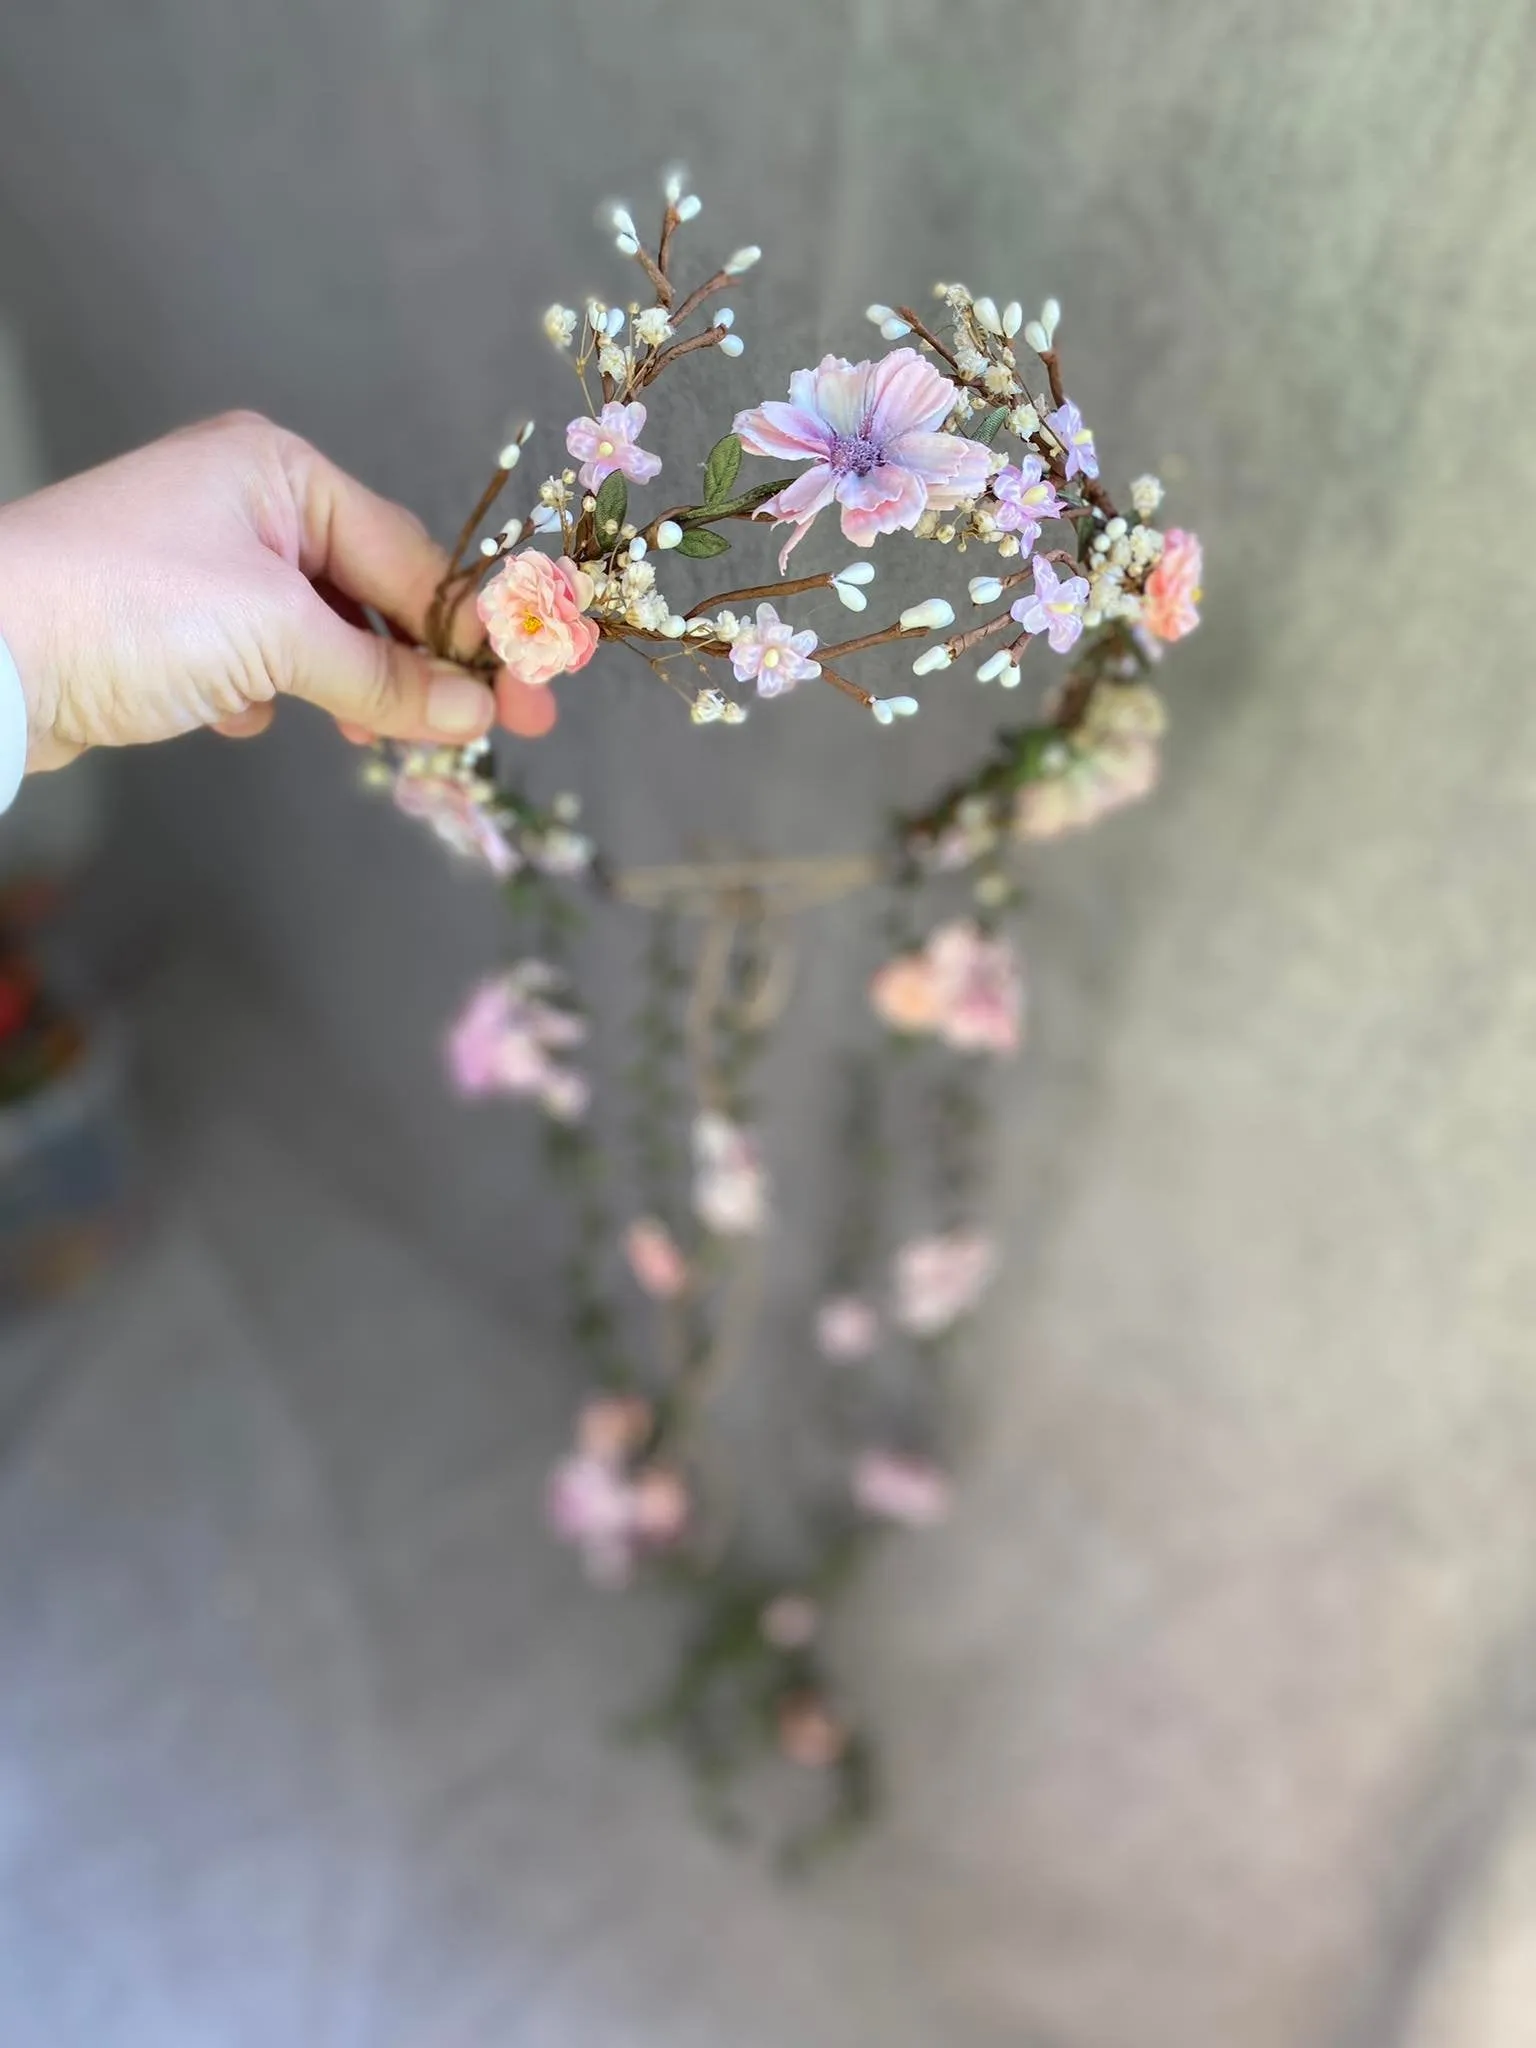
(732, 345)
(653, 327)
(734, 714)
(970, 362)
(689, 208)
(993, 666)
(931, 660)
(727, 626)
(928, 617)
(707, 707)
(613, 363)
(668, 534)
(560, 325)
(1146, 495)
(1024, 420)
(986, 589)
(986, 315)
(1013, 318)
(999, 380)
(742, 261)
(1116, 529)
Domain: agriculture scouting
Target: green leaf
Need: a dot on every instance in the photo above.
(701, 543)
(720, 469)
(991, 426)
(612, 508)
(733, 508)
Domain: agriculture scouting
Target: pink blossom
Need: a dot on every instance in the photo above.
(790, 1621)
(588, 1503)
(730, 1187)
(980, 993)
(613, 1427)
(1025, 500)
(1173, 589)
(872, 433)
(457, 814)
(1066, 423)
(1110, 760)
(810, 1734)
(900, 1489)
(654, 1259)
(533, 612)
(939, 1279)
(659, 1505)
(506, 1038)
(609, 443)
(772, 654)
(963, 986)
(1055, 609)
(846, 1328)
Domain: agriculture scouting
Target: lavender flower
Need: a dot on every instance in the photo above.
(772, 654)
(1066, 423)
(1055, 609)
(1025, 500)
(610, 443)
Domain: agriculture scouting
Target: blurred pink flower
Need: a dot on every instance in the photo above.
(900, 1489)
(1112, 759)
(1168, 608)
(533, 610)
(613, 1427)
(588, 1503)
(846, 1328)
(790, 1621)
(458, 817)
(772, 654)
(730, 1188)
(1024, 500)
(658, 1266)
(609, 443)
(505, 1039)
(962, 986)
(939, 1279)
(659, 1505)
(809, 1733)
(872, 434)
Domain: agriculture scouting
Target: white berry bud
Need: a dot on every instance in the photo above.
(927, 617)
(673, 188)
(668, 534)
(903, 707)
(732, 345)
(743, 260)
(857, 572)
(993, 666)
(510, 456)
(637, 548)
(894, 328)
(689, 208)
(1009, 679)
(489, 548)
(986, 589)
(726, 318)
(1013, 318)
(674, 627)
(848, 595)
(882, 710)
(986, 315)
(931, 660)
(1037, 337)
(1050, 318)
(626, 245)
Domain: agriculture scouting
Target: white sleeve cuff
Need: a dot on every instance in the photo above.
(13, 730)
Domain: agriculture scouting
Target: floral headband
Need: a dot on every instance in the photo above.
(961, 436)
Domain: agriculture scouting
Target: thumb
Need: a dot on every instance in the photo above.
(398, 692)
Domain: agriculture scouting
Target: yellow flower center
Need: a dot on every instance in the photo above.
(532, 623)
(605, 447)
(771, 658)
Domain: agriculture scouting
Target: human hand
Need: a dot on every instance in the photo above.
(175, 588)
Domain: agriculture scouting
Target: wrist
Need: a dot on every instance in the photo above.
(13, 728)
(24, 633)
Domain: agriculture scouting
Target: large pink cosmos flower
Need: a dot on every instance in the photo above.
(871, 432)
(533, 609)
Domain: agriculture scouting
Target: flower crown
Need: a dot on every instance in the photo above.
(961, 436)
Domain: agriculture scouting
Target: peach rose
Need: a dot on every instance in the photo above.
(533, 611)
(905, 993)
(1173, 589)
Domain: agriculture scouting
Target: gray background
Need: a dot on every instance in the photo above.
(1212, 1711)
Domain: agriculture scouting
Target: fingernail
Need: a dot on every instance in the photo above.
(457, 706)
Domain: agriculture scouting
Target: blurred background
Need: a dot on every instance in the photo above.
(1212, 1713)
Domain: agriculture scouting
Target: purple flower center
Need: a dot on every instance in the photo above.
(855, 455)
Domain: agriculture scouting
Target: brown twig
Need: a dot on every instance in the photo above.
(792, 588)
(921, 328)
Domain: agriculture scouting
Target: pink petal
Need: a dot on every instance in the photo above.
(885, 501)
(838, 391)
(907, 396)
(774, 428)
(952, 468)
